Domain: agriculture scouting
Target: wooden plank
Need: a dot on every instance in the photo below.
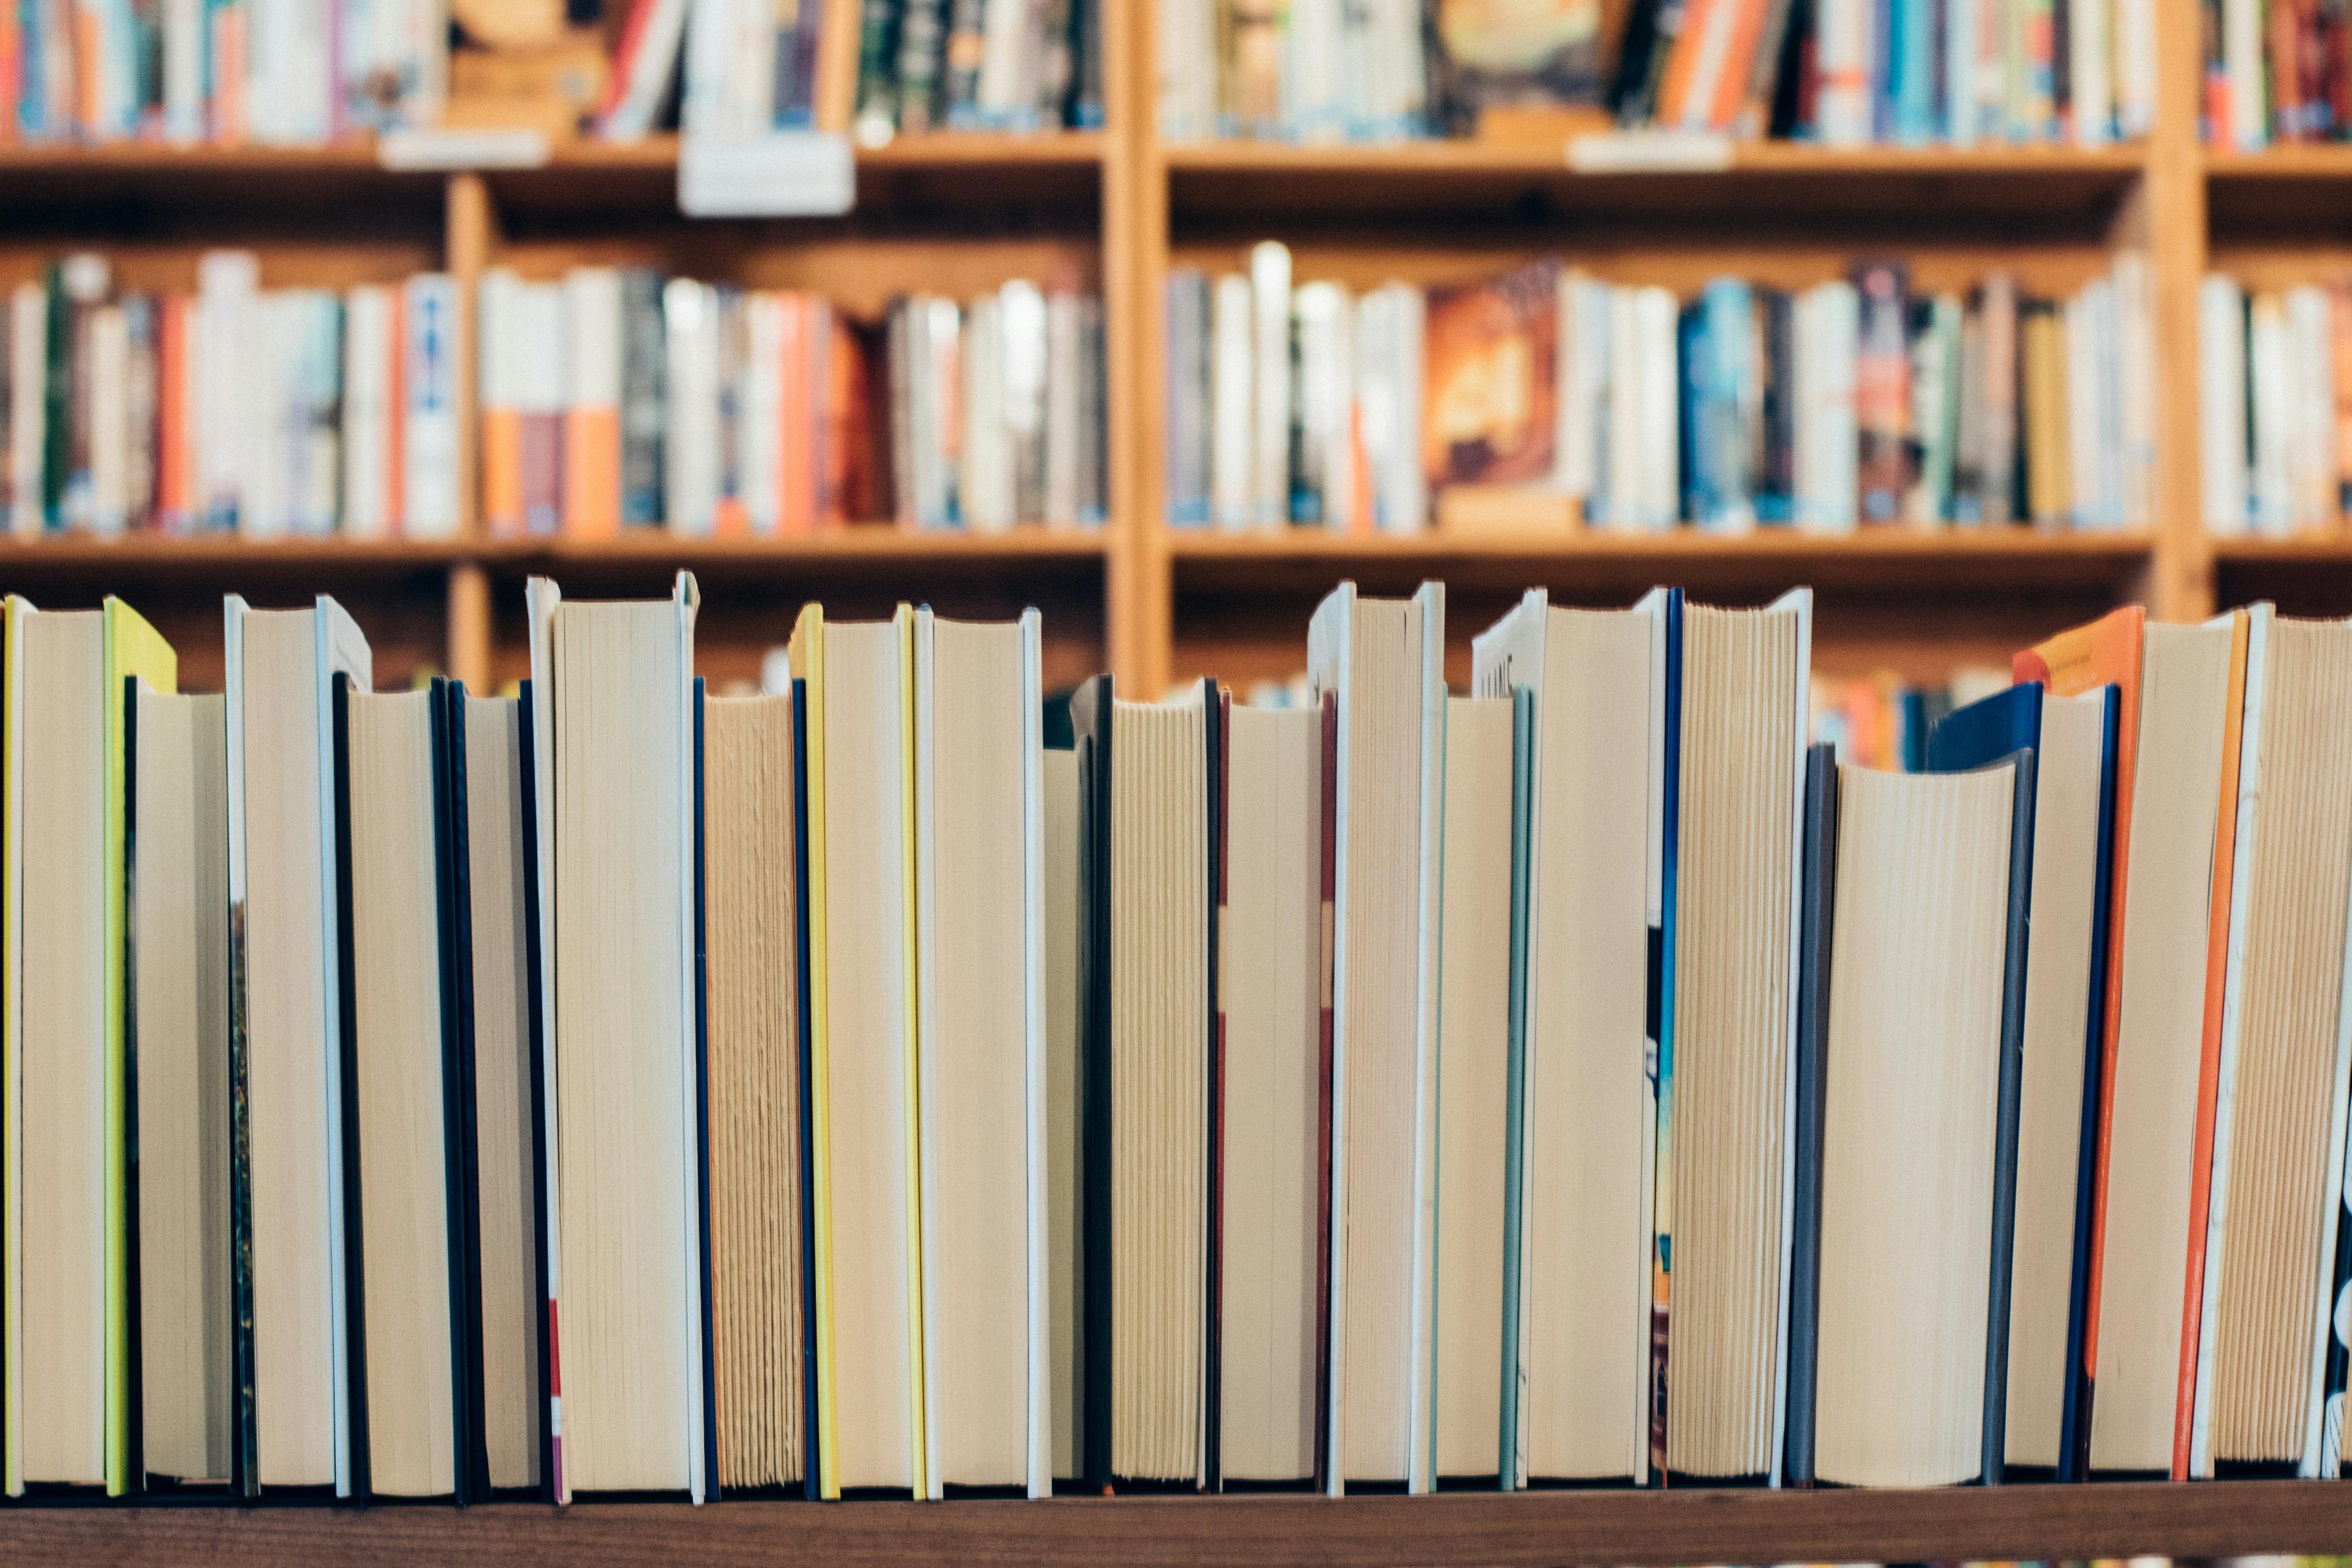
(2195, 1520)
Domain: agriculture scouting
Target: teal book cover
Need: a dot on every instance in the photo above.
(1511, 1459)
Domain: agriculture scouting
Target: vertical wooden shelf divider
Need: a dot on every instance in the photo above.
(470, 228)
(2173, 192)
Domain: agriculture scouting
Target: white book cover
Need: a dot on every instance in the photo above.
(2136, 381)
(110, 420)
(1064, 406)
(269, 356)
(369, 318)
(2083, 377)
(2312, 366)
(2246, 66)
(690, 452)
(2136, 69)
(1270, 389)
(183, 71)
(428, 426)
(227, 356)
(2221, 402)
(1962, 32)
(1621, 464)
(1847, 56)
(1314, 77)
(648, 74)
(987, 479)
(2090, 84)
(1006, 88)
(1659, 424)
(1324, 402)
(762, 425)
(1021, 350)
(1232, 420)
(2273, 416)
(711, 41)
(1836, 330)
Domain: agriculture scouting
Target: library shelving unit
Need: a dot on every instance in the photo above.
(1116, 209)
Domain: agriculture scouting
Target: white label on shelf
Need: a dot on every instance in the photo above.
(1641, 152)
(784, 173)
(444, 150)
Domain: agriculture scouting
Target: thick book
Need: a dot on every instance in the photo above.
(288, 1196)
(66, 1238)
(1918, 1050)
(1148, 776)
(1382, 660)
(618, 912)
(1592, 871)
(2073, 743)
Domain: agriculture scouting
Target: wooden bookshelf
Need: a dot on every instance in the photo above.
(1541, 1528)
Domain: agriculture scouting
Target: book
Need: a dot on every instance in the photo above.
(1381, 659)
(864, 1051)
(288, 1187)
(1920, 1046)
(979, 959)
(1065, 1271)
(617, 905)
(1272, 1113)
(1490, 380)
(1469, 1360)
(1147, 776)
(2073, 739)
(68, 1119)
(176, 847)
(1591, 886)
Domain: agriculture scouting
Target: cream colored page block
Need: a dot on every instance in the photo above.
(866, 957)
(403, 1190)
(2278, 1188)
(1272, 954)
(511, 1303)
(2184, 688)
(1158, 1047)
(1588, 1308)
(624, 1168)
(62, 1156)
(180, 968)
(287, 1050)
(1474, 1051)
(2050, 1093)
(979, 1055)
(1383, 966)
(1913, 1088)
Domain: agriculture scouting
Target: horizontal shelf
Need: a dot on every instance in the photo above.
(2193, 1520)
(1901, 560)
(1764, 179)
(2296, 190)
(2303, 550)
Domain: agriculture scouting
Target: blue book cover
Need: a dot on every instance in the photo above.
(1661, 1063)
(1722, 346)
(1911, 55)
(1985, 731)
(1523, 741)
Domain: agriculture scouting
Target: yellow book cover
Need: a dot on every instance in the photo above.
(904, 621)
(133, 649)
(807, 651)
(12, 1064)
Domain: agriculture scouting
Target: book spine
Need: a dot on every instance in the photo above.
(593, 338)
(645, 359)
(878, 108)
(538, 364)
(500, 345)
(428, 505)
(922, 28)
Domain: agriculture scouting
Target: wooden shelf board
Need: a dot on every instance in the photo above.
(2195, 1520)
(2307, 550)
(1457, 155)
(1899, 560)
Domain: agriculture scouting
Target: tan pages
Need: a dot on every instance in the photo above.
(1271, 941)
(397, 1056)
(2049, 1097)
(179, 940)
(1473, 1078)
(2184, 690)
(751, 951)
(978, 821)
(2266, 1274)
(1911, 1097)
(506, 1157)
(616, 683)
(1584, 1222)
(1383, 659)
(1065, 1311)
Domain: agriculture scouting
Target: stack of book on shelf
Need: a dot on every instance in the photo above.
(288, 72)
(2275, 405)
(854, 1092)
(266, 412)
(1548, 395)
(2274, 73)
(879, 67)
(617, 398)
(1843, 72)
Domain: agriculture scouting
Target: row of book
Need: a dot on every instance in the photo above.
(613, 398)
(2275, 416)
(897, 1082)
(290, 73)
(875, 67)
(2274, 71)
(1882, 721)
(271, 411)
(1844, 72)
(617, 398)
(1858, 401)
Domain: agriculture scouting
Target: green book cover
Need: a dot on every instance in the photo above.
(133, 651)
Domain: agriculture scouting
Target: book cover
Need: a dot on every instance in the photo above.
(1091, 710)
(808, 675)
(1538, 54)
(1511, 1456)
(1326, 1037)
(1489, 381)
(806, 1133)
(453, 882)
(1665, 828)
(1816, 926)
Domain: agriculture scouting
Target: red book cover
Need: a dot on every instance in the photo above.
(1331, 835)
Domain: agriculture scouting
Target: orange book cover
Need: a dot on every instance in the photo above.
(1738, 65)
(592, 471)
(173, 481)
(798, 383)
(1682, 65)
(2105, 652)
(502, 512)
(395, 441)
(2209, 1045)
(853, 486)
(89, 54)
